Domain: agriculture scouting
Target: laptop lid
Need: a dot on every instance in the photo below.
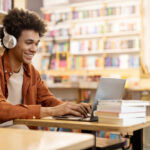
(108, 88)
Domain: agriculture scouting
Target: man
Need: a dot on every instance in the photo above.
(22, 92)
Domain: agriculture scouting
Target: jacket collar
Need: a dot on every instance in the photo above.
(7, 67)
(6, 63)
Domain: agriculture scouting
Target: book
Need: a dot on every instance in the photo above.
(120, 109)
(53, 62)
(47, 17)
(45, 63)
(119, 115)
(62, 60)
(124, 122)
(124, 102)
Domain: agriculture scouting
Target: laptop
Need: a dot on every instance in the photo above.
(108, 88)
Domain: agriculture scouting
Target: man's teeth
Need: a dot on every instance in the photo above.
(29, 54)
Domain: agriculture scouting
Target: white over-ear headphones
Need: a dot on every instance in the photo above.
(9, 41)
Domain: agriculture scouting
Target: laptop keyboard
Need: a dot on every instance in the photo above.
(70, 117)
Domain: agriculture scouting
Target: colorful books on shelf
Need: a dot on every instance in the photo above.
(100, 46)
(98, 11)
(86, 46)
(103, 36)
(56, 17)
(5, 5)
(50, 47)
(84, 62)
(62, 32)
(121, 112)
(97, 29)
(122, 61)
(104, 11)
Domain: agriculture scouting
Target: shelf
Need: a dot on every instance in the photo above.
(50, 39)
(115, 51)
(146, 76)
(102, 35)
(77, 85)
(2, 13)
(133, 72)
(100, 3)
(63, 85)
(93, 85)
(104, 18)
(65, 72)
(98, 52)
(132, 50)
(45, 54)
(143, 86)
(96, 19)
(88, 85)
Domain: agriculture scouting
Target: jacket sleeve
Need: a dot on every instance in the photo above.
(44, 96)
(10, 112)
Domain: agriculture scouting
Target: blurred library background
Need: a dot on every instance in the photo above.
(89, 39)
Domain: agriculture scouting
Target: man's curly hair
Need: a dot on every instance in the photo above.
(18, 20)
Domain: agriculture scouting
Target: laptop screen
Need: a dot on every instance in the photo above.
(108, 89)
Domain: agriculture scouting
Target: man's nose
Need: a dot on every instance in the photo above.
(34, 48)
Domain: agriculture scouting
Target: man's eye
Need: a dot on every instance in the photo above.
(28, 43)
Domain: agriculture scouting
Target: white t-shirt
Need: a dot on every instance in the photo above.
(15, 87)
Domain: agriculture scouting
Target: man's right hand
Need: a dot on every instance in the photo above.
(65, 109)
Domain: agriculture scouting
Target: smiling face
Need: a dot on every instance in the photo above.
(27, 46)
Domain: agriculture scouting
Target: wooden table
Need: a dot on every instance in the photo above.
(17, 139)
(91, 126)
(135, 130)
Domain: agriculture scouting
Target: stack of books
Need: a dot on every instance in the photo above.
(121, 112)
(123, 61)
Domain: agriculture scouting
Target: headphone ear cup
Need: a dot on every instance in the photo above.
(9, 41)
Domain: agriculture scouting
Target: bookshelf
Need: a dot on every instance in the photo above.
(95, 38)
(101, 38)
(103, 72)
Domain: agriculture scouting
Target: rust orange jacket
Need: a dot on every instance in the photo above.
(34, 93)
